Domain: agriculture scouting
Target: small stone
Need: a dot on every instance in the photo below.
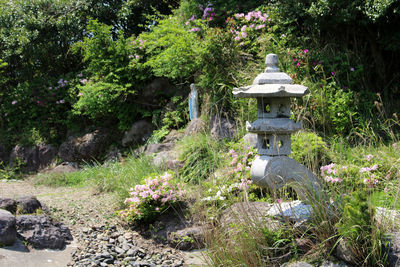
(128, 236)
(125, 246)
(119, 250)
(103, 264)
(111, 241)
(109, 261)
(131, 253)
(121, 239)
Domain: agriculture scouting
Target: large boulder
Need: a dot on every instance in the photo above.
(345, 252)
(65, 167)
(168, 160)
(250, 140)
(28, 204)
(8, 231)
(155, 148)
(394, 249)
(8, 204)
(173, 136)
(41, 232)
(86, 147)
(195, 126)
(243, 212)
(138, 134)
(34, 158)
(188, 238)
(222, 128)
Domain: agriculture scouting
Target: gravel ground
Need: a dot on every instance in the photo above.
(102, 239)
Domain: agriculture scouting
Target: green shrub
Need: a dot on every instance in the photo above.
(309, 149)
(201, 156)
(359, 230)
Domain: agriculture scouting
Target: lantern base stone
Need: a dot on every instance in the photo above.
(276, 172)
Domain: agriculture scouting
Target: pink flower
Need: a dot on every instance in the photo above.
(305, 51)
(375, 167)
(333, 73)
(155, 196)
(157, 209)
(279, 201)
(260, 26)
(369, 157)
(244, 34)
(298, 64)
(196, 29)
(14, 102)
(243, 28)
(237, 38)
(80, 94)
(187, 22)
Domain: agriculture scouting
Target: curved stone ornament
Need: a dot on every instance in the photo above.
(275, 172)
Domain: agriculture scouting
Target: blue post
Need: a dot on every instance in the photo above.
(193, 102)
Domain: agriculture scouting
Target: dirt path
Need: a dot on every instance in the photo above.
(80, 209)
(76, 207)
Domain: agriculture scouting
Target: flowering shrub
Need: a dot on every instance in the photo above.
(366, 171)
(148, 200)
(233, 181)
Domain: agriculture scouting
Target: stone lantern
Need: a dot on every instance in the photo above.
(273, 90)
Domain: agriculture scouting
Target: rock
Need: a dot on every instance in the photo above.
(333, 264)
(8, 230)
(195, 126)
(167, 160)
(138, 134)
(113, 155)
(222, 128)
(245, 212)
(34, 158)
(295, 211)
(86, 147)
(65, 167)
(46, 154)
(299, 264)
(8, 204)
(394, 249)
(250, 139)
(28, 204)
(344, 252)
(155, 148)
(187, 239)
(173, 136)
(41, 232)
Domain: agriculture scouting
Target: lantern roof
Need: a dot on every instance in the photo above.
(272, 83)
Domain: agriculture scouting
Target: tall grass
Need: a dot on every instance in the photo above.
(115, 177)
(201, 155)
